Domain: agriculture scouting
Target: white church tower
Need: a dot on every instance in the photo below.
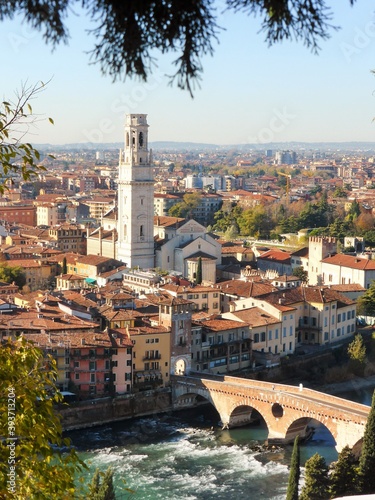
(136, 196)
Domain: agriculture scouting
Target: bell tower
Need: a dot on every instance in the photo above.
(136, 196)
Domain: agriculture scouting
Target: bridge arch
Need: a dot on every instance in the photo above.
(305, 428)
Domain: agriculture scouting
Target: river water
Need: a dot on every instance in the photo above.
(186, 456)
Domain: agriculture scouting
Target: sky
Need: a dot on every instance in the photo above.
(250, 93)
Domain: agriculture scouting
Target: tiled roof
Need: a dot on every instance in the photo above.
(350, 261)
(275, 256)
(245, 289)
(255, 316)
(168, 221)
(219, 325)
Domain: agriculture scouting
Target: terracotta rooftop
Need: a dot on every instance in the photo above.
(255, 316)
(350, 261)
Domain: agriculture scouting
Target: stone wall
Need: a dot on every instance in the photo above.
(100, 411)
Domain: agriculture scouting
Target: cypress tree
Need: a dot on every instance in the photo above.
(64, 269)
(94, 485)
(343, 474)
(198, 278)
(102, 489)
(367, 459)
(106, 490)
(316, 485)
(294, 474)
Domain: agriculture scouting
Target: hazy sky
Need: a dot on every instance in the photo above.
(249, 93)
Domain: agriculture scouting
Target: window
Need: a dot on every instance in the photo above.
(128, 376)
(284, 331)
(76, 376)
(115, 364)
(263, 336)
(92, 353)
(92, 377)
(92, 365)
(129, 362)
(256, 338)
(276, 333)
(270, 335)
(107, 364)
(339, 318)
(141, 233)
(76, 364)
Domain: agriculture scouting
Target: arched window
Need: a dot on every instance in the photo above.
(133, 138)
(141, 230)
(125, 230)
(127, 139)
(141, 139)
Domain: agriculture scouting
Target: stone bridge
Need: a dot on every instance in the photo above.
(286, 409)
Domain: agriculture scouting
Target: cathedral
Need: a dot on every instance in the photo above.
(131, 233)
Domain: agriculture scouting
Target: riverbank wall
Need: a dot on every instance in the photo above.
(91, 413)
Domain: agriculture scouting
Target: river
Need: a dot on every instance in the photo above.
(186, 456)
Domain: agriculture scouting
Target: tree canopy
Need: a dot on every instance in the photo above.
(367, 459)
(16, 118)
(32, 461)
(128, 33)
(12, 274)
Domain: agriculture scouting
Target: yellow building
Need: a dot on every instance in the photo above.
(37, 273)
(151, 357)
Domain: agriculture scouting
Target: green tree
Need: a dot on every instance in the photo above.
(94, 485)
(186, 207)
(316, 485)
(16, 118)
(101, 486)
(340, 192)
(369, 237)
(354, 210)
(357, 349)
(357, 355)
(106, 490)
(294, 474)
(64, 269)
(367, 458)
(343, 474)
(198, 278)
(366, 302)
(11, 274)
(231, 233)
(301, 274)
(128, 34)
(31, 429)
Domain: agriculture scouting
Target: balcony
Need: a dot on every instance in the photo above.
(308, 325)
(151, 357)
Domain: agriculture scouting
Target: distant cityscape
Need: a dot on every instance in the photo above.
(131, 263)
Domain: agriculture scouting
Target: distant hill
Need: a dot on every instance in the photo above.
(197, 146)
